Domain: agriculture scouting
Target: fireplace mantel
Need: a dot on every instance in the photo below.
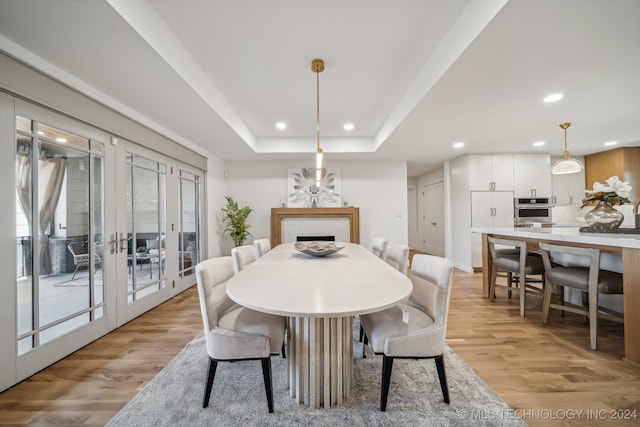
(278, 214)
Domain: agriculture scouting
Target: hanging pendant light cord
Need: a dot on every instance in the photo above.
(565, 154)
(318, 110)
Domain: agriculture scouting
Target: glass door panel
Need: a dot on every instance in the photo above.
(58, 230)
(188, 223)
(146, 228)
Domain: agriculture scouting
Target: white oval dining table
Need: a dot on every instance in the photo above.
(320, 296)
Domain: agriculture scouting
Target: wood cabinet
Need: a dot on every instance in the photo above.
(532, 175)
(568, 189)
(623, 162)
(491, 172)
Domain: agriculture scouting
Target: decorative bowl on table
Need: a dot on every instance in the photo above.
(318, 248)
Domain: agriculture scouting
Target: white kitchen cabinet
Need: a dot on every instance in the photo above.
(491, 172)
(532, 175)
(568, 189)
(489, 209)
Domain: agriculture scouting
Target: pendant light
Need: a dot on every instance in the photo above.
(566, 165)
(317, 66)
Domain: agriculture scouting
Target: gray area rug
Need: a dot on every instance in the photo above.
(174, 396)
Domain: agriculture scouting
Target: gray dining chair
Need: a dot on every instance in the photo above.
(261, 247)
(233, 332)
(422, 336)
(242, 256)
(590, 280)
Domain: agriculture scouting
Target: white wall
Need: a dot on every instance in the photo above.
(216, 189)
(458, 246)
(379, 189)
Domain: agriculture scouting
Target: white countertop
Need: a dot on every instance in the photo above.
(287, 282)
(567, 234)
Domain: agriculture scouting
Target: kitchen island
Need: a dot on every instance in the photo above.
(626, 245)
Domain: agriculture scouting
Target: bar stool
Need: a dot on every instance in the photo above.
(590, 280)
(515, 260)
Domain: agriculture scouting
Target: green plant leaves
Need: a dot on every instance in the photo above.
(235, 220)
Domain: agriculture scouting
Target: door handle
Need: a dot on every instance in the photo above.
(113, 243)
(123, 243)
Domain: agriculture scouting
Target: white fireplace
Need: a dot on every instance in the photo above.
(339, 228)
(289, 223)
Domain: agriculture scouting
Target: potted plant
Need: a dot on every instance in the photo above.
(235, 220)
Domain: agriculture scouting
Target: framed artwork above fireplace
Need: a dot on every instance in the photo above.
(304, 191)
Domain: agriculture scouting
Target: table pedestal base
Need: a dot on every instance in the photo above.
(320, 359)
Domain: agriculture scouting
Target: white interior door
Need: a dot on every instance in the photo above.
(412, 217)
(433, 219)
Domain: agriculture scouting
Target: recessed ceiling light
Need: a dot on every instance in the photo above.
(281, 125)
(553, 98)
(610, 143)
(40, 132)
(458, 145)
(61, 140)
(538, 143)
(348, 126)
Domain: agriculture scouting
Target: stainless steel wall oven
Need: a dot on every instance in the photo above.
(530, 212)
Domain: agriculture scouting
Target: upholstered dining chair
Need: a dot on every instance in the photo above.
(379, 247)
(398, 257)
(514, 259)
(590, 280)
(242, 256)
(261, 247)
(233, 332)
(423, 335)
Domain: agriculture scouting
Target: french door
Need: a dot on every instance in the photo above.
(104, 230)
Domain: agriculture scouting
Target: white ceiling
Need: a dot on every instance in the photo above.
(413, 76)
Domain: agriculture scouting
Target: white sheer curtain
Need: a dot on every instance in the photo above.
(50, 177)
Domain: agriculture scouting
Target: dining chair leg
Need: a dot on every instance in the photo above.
(266, 373)
(361, 332)
(523, 288)
(593, 318)
(546, 302)
(365, 341)
(211, 373)
(442, 375)
(387, 367)
(492, 285)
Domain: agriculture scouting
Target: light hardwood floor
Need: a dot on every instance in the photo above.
(547, 374)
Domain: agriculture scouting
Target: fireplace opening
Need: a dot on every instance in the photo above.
(315, 238)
